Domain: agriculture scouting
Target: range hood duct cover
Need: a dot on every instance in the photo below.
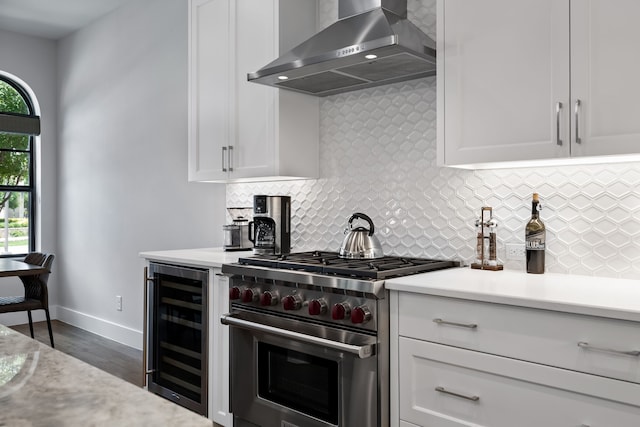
(333, 61)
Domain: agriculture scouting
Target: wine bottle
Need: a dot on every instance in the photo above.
(535, 239)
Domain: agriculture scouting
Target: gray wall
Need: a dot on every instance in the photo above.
(123, 163)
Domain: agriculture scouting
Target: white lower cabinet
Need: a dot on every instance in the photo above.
(443, 386)
(219, 350)
(468, 363)
(554, 338)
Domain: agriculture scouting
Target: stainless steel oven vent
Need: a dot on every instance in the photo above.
(371, 44)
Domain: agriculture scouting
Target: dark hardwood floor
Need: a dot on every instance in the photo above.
(110, 356)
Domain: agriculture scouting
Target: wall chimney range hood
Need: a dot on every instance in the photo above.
(371, 44)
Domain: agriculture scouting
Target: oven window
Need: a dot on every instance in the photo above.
(305, 383)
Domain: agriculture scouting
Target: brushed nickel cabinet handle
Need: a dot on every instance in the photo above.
(144, 327)
(451, 393)
(558, 109)
(577, 112)
(462, 325)
(224, 159)
(587, 346)
(230, 163)
(145, 331)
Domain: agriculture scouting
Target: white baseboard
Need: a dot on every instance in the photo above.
(102, 327)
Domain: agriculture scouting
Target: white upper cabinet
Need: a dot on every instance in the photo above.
(241, 131)
(511, 73)
(605, 65)
(503, 65)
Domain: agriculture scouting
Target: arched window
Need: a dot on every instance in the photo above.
(19, 125)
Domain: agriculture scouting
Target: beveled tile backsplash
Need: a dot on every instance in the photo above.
(378, 156)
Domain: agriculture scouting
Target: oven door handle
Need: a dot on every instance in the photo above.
(362, 351)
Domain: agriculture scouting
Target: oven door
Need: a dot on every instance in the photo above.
(287, 373)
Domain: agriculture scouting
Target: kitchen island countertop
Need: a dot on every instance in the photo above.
(202, 257)
(41, 386)
(596, 296)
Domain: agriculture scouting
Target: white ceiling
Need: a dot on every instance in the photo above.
(52, 19)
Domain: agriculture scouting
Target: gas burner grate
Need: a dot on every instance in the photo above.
(330, 263)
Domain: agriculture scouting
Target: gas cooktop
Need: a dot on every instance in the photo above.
(330, 263)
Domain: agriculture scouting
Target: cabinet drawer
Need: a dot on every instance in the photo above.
(478, 389)
(565, 340)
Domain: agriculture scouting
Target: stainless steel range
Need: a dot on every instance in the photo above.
(310, 338)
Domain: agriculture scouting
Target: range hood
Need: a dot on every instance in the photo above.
(372, 44)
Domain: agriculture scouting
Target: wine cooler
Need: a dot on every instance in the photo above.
(176, 334)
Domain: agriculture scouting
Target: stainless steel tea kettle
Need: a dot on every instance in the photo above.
(359, 242)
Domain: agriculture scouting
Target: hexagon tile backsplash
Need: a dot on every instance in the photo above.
(378, 156)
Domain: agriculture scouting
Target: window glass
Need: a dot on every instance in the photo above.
(10, 141)
(14, 167)
(11, 100)
(15, 227)
(16, 172)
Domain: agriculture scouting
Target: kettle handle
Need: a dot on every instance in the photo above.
(251, 237)
(366, 218)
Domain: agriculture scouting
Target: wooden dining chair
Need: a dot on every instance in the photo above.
(36, 295)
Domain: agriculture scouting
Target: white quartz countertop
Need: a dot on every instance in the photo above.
(203, 257)
(43, 387)
(597, 296)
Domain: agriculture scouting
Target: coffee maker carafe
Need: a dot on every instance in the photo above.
(270, 230)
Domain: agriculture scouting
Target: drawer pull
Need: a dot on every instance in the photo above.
(577, 111)
(445, 391)
(587, 346)
(558, 110)
(462, 325)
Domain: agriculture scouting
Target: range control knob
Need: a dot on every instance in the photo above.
(269, 298)
(234, 293)
(317, 307)
(340, 311)
(292, 302)
(360, 314)
(250, 295)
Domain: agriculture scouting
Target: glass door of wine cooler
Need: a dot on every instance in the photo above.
(177, 347)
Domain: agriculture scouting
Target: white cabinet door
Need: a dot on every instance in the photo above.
(503, 67)
(277, 131)
(256, 39)
(219, 350)
(209, 92)
(605, 66)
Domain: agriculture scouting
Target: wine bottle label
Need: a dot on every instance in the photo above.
(535, 242)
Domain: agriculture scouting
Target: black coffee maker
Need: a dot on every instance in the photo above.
(270, 230)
